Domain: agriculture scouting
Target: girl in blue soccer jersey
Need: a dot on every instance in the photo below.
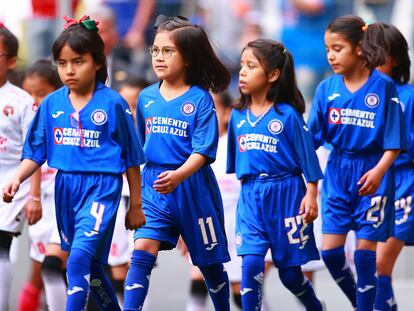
(397, 66)
(269, 148)
(86, 131)
(177, 124)
(357, 111)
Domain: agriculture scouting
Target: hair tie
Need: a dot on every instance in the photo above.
(284, 51)
(85, 21)
(2, 25)
(365, 27)
(161, 19)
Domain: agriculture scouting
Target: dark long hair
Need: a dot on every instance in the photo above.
(397, 47)
(82, 41)
(10, 42)
(369, 37)
(46, 70)
(204, 67)
(273, 55)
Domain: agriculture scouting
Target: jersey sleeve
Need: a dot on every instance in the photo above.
(305, 150)
(35, 144)
(140, 123)
(132, 152)
(394, 127)
(409, 122)
(231, 147)
(316, 119)
(205, 135)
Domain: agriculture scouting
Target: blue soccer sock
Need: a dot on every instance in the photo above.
(294, 280)
(217, 282)
(102, 289)
(252, 281)
(78, 272)
(137, 281)
(336, 263)
(384, 300)
(365, 263)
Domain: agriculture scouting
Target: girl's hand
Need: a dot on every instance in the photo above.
(167, 182)
(370, 181)
(309, 208)
(135, 217)
(10, 190)
(33, 211)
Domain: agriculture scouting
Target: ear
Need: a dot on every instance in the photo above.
(358, 49)
(273, 76)
(11, 63)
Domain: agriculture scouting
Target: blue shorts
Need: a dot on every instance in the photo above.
(371, 217)
(267, 216)
(404, 214)
(193, 210)
(86, 207)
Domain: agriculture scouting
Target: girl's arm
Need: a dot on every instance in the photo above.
(371, 180)
(135, 217)
(33, 207)
(26, 169)
(169, 180)
(309, 205)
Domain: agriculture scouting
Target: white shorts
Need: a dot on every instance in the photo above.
(12, 214)
(123, 240)
(45, 231)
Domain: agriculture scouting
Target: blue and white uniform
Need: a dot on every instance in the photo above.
(91, 148)
(404, 172)
(270, 156)
(170, 132)
(360, 126)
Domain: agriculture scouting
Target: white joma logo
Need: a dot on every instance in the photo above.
(89, 234)
(396, 100)
(57, 114)
(366, 288)
(128, 111)
(133, 286)
(211, 246)
(219, 288)
(245, 291)
(149, 103)
(333, 96)
(241, 123)
(74, 290)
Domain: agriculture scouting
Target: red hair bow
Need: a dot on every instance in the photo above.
(84, 20)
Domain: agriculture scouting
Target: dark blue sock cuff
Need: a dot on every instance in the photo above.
(384, 279)
(364, 257)
(79, 256)
(333, 253)
(143, 258)
(253, 261)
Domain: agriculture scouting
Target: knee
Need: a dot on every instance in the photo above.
(384, 266)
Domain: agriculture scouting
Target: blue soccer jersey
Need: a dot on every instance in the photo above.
(171, 131)
(279, 144)
(98, 138)
(367, 121)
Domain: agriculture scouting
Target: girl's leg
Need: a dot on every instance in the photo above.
(253, 267)
(137, 281)
(102, 289)
(118, 274)
(333, 254)
(29, 298)
(387, 254)
(217, 282)
(365, 264)
(198, 292)
(78, 273)
(53, 274)
(5, 269)
(293, 279)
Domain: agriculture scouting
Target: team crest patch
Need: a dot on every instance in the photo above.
(188, 108)
(372, 100)
(148, 125)
(334, 116)
(58, 135)
(99, 117)
(275, 126)
(239, 239)
(8, 111)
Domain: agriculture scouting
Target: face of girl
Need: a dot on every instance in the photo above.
(342, 56)
(77, 71)
(6, 63)
(252, 76)
(168, 64)
(38, 87)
